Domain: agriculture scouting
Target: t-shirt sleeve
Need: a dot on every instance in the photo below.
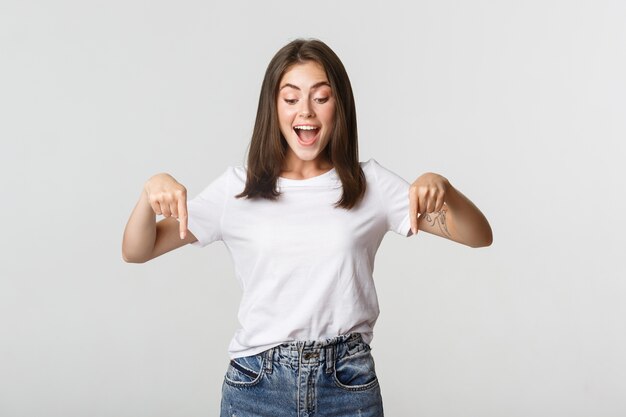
(394, 195)
(205, 211)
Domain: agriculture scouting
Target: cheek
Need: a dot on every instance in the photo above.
(329, 120)
(285, 115)
(284, 123)
(329, 115)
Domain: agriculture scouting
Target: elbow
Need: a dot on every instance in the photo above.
(482, 244)
(128, 259)
(487, 240)
(133, 253)
(133, 259)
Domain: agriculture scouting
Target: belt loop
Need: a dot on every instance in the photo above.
(330, 358)
(269, 358)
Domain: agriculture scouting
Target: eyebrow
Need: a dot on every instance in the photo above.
(312, 87)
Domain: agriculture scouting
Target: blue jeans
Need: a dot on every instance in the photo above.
(334, 377)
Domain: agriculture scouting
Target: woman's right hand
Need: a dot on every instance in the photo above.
(168, 198)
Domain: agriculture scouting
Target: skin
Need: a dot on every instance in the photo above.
(145, 239)
(435, 206)
(305, 97)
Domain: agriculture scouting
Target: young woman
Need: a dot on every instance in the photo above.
(302, 221)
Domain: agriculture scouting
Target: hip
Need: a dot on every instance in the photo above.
(334, 377)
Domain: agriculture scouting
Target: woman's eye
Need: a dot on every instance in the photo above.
(322, 100)
(290, 101)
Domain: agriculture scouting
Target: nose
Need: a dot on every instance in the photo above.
(305, 111)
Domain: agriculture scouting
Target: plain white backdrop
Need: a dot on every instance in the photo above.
(519, 104)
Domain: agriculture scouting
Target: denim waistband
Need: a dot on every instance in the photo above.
(315, 352)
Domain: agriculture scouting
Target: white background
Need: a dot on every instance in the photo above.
(521, 105)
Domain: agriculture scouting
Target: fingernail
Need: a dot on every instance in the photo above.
(182, 235)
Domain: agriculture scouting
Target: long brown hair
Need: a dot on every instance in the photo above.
(268, 146)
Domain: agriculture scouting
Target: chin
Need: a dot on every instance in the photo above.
(307, 156)
(305, 153)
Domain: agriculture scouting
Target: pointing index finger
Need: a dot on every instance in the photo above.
(182, 217)
(413, 209)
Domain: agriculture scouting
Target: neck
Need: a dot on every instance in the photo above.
(301, 169)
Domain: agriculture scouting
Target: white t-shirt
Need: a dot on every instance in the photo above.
(305, 267)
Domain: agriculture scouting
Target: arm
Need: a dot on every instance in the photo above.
(144, 238)
(446, 212)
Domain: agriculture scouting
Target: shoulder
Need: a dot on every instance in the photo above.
(238, 171)
(369, 169)
(379, 173)
(220, 184)
(231, 173)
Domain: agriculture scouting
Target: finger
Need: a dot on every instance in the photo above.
(165, 207)
(182, 217)
(156, 207)
(430, 204)
(422, 204)
(440, 200)
(413, 207)
(418, 220)
(174, 209)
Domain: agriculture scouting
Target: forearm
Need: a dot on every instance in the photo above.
(466, 221)
(140, 232)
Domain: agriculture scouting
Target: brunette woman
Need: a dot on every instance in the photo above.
(302, 221)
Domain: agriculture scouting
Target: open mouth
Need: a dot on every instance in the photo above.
(307, 134)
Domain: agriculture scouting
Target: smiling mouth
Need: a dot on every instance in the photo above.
(307, 135)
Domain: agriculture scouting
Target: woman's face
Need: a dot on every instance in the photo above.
(306, 110)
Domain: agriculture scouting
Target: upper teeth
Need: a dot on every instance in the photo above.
(305, 127)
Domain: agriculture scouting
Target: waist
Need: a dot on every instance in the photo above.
(317, 351)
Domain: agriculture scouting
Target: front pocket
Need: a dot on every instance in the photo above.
(356, 372)
(245, 371)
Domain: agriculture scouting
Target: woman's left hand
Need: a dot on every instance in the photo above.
(427, 195)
